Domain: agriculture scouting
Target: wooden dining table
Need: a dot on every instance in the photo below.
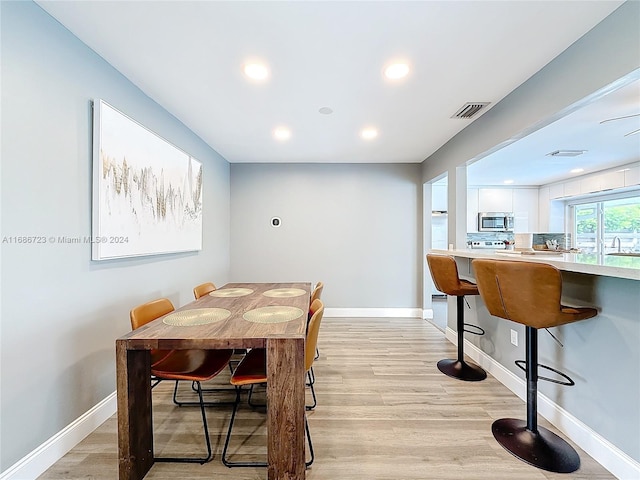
(284, 343)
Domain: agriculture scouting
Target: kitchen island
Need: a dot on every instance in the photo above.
(627, 267)
(602, 355)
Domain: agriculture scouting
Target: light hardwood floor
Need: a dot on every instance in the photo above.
(385, 412)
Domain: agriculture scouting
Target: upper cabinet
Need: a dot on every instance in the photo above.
(439, 198)
(472, 210)
(596, 182)
(523, 202)
(495, 200)
(632, 176)
(525, 210)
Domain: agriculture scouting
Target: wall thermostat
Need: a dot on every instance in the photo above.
(276, 222)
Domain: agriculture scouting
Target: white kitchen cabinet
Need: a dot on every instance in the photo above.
(632, 176)
(543, 209)
(525, 210)
(472, 210)
(611, 180)
(556, 191)
(439, 198)
(574, 187)
(587, 185)
(495, 199)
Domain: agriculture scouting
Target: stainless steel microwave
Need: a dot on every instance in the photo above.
(495, 222)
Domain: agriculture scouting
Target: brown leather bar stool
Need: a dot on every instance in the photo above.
(529, 293)
(445, 277)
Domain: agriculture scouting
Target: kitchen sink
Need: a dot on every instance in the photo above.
(624, 254)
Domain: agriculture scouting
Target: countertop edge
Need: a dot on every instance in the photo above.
(567, 262)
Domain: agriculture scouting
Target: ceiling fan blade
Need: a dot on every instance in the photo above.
(620, 118)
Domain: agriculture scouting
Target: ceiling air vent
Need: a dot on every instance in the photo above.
(565, 153)
(469, 109)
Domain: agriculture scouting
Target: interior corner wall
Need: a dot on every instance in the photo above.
(355, 227)
(62, 312)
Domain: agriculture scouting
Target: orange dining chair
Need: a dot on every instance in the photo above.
(315, 295)
(203, 289)
(252, 370)
(191, 365)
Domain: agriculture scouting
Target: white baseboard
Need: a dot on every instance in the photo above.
(38, 461)
(374, 312)
(599, 448)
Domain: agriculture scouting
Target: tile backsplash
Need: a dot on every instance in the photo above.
(563, 239)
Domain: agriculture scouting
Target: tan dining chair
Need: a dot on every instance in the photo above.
(203, 289)
(252, 370)
(190, 365)
(317, 292)
(315, 295)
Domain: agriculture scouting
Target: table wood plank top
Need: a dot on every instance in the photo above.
(284, 343)
(233, 332)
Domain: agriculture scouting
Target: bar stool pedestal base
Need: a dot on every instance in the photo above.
(461, 370)
(543, 449)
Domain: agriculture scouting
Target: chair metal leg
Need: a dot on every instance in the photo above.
(225, 460)
(312, 377)
(317, 354)
(313, 393)
(206, 435)
(535, 445)
(199, 390)
(458, 368)
(229, 464)
(306, 427)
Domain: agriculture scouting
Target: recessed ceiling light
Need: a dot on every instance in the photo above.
(508, 182)
(396, 71)
(369, 133)
(326, 110)
(577, 170)
(282, 133)
(256, 71)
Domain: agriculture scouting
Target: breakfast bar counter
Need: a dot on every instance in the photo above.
(601, 354)
(627, 267)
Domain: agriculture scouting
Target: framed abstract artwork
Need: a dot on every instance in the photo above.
(147, 193)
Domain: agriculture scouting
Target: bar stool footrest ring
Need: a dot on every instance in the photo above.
(478, 330)
(521, 364)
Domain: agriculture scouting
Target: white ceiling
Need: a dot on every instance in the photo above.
(188, 56)
(526, 161)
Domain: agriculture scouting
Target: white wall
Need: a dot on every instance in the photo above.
(355, 227)
(61, 312)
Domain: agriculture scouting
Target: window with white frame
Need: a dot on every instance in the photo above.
(607, 224)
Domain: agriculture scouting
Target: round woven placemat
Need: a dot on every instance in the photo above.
(273, 314)
(231, 292)
(197, 316)
(284, 292)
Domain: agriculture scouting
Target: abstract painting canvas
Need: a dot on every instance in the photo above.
(147, 193)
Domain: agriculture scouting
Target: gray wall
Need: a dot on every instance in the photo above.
(61, 312)
(608, 52)
(596, 353)
(355, 227)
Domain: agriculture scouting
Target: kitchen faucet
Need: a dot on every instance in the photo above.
(613, 244)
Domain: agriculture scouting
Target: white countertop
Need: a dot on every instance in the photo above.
(593, 264)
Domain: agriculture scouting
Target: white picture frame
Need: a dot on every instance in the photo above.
(147, 193)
